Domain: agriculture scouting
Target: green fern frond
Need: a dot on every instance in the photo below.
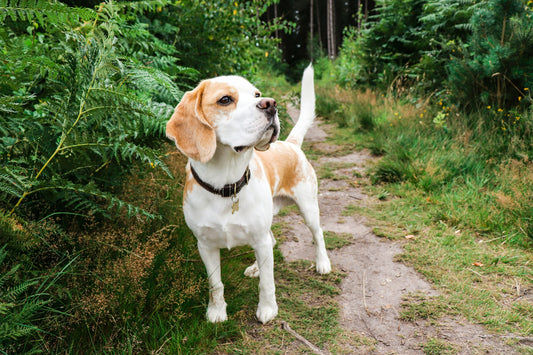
(129, 151)
(11, 184)
(155, 80)
(85, 197)
(16, 291)
(5, 307)
(44, 12)
(12, 104)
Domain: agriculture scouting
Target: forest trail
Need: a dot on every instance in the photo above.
(375, 284)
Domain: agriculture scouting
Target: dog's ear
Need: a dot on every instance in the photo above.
(190, 130)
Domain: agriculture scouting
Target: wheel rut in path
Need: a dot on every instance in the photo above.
(372, 290)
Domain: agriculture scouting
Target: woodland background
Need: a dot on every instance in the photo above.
(94, 253)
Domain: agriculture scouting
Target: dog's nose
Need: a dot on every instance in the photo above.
(268, 105)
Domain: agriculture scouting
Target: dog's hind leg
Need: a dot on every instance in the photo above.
(216, 310)
(253, 270)
(306, 199)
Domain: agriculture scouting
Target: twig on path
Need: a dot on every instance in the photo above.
(364, 293)
(287, 327)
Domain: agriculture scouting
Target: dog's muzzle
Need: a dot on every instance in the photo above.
(271, 132)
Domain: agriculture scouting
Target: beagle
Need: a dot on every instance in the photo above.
(239, 176)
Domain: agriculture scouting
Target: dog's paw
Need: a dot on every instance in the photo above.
(266, 313)
(252, 270)
(217, 313)
(323, 266)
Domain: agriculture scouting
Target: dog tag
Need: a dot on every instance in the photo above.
(235, 206)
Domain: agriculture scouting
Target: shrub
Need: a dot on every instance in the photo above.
(72, 119)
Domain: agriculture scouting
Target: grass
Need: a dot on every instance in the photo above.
(464, 192)
(439, 347)
(420, 306)
(337, 240)
(307, 303)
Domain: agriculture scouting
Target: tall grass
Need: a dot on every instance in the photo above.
(475, 168)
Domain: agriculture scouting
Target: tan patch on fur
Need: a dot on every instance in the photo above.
(212, 94)
(293, 140)
(190, 182)
(193, 122)
(190, 129)
(282, 168)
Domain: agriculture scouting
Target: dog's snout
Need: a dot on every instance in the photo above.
(268, 105)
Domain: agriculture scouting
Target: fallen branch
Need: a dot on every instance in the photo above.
(287, 327)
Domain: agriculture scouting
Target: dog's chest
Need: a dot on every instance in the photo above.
(213, 221)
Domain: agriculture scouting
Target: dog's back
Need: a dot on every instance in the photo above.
(284, 163)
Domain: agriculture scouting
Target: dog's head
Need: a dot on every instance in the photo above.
(225, 110)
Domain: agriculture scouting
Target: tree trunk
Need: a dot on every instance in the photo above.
(311, 30)
(275, 17)
(331, 29)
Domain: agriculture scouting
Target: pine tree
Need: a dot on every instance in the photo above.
(494, 65)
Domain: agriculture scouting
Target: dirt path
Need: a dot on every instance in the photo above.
(372, 291)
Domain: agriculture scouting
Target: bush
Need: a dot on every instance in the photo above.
(73, 120)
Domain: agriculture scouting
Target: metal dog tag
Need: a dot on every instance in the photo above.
(235, 206)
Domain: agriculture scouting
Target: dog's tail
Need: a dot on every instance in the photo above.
(307, 108)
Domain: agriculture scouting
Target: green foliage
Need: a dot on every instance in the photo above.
(493, 66)
(44, 12)
(480, 175)
(388, 45)
(71, 126)
(219, 37)
(472, 54)
(21, 305)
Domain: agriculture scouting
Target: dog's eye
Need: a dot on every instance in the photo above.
(257, 94)
(225, 100)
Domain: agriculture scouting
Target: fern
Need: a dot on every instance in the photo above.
(18, 307)
(155, 81)
(103, 111)
(45, 12)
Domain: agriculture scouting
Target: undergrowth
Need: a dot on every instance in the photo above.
(462, 192)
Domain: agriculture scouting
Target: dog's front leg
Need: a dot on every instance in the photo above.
(267, 308)
(216, 310)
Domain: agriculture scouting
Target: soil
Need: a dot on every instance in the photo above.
(375, 284)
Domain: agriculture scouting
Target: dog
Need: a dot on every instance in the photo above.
(239, 175)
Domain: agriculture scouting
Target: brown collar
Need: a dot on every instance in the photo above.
(228, 189)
